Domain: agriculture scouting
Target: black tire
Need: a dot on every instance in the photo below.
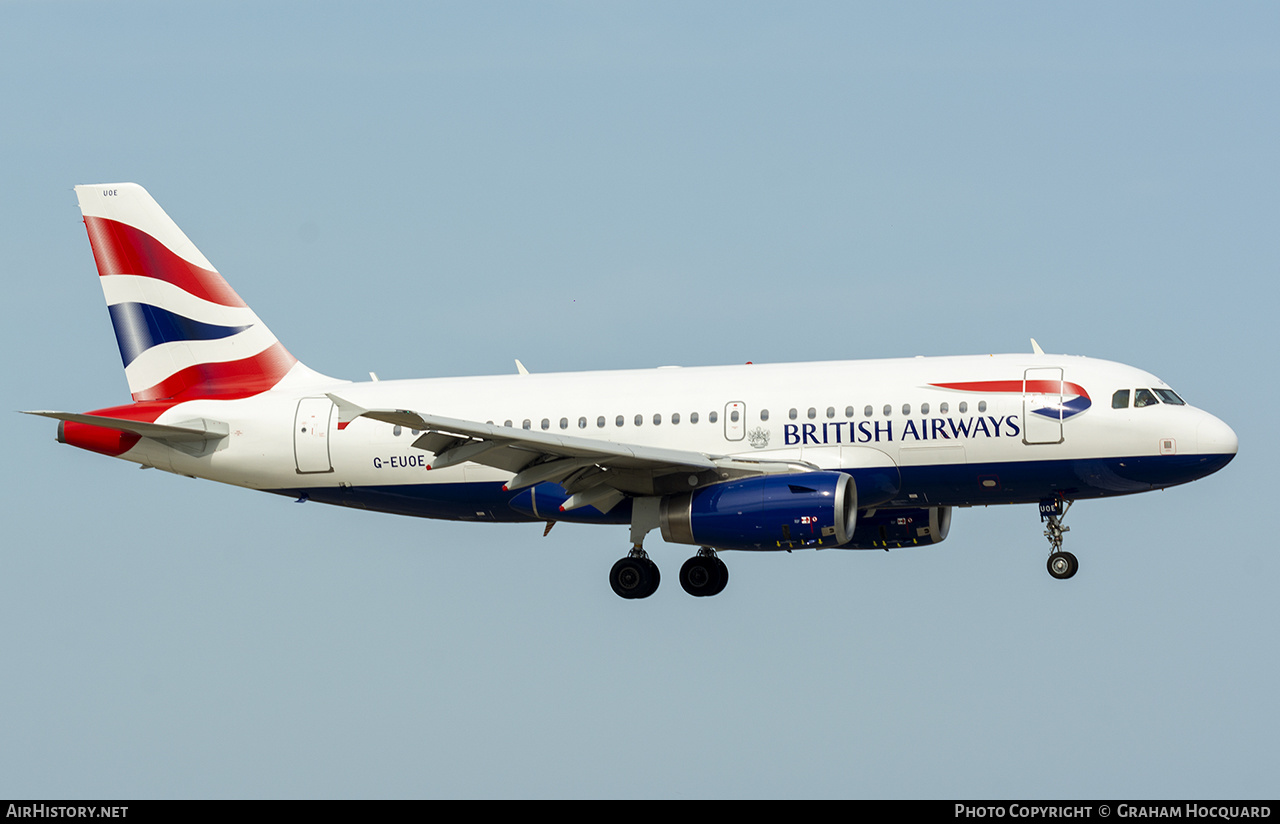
(655, 578)
(634, 577)
(698, 577)
(722, 576)
(1062, 565)
(703, 576)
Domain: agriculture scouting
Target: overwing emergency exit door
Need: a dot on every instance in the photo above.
(735, 420)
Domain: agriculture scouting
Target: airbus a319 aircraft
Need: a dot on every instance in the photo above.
(870, 454)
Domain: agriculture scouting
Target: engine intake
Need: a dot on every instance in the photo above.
(793, 511)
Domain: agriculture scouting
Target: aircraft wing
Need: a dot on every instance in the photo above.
(594, 472)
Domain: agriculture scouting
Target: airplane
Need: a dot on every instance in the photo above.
(870, 454)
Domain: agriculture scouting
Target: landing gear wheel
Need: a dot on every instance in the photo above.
(704, 575)
(1062, 565)
(634, 577)
(723, 577)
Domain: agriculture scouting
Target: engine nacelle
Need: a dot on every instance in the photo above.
(794, 511)
(898, 528)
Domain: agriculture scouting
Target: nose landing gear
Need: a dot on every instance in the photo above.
(1061, 565)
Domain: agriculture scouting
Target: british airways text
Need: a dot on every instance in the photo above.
(925, 429)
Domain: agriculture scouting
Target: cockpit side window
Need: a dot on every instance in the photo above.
(1120, 400)
(1143, 397)
(1170, 397)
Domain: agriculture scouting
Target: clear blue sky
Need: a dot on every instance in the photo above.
(429, 189)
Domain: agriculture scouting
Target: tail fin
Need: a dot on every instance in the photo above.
(183, 331)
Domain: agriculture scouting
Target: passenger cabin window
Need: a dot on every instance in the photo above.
(526, 424)
(791, 414)
(713, 417)
(982, 406)
(1120, 400)
(831, 411)
(943, 408)
(546, 423)
(868, 412)
(964, 407)
(733, 415)
(639, 420)
(1144, 397)
(506, 423)
(764, 414)
(848, 411)
(564, 423)
(906, 409)
(888, 410)
(619, 421)
(657, 418)
(582, 423)
(675, 417)
(813, 413)
(693, 417)
(600, 422)
(924, 409)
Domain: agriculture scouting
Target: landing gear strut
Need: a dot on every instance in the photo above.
(635, 576)
(1062, 565)
(704, 574)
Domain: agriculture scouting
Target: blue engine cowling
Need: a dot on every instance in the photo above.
(898, 528)
(794, 511)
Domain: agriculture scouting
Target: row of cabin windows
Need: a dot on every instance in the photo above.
(1145, 397)
(793, 414)
(712, 417)
(621, 420)
(869, 411)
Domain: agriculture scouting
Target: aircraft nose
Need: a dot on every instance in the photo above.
(1216, 438)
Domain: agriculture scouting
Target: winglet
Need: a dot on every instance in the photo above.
(1035, 347)
(520, 367)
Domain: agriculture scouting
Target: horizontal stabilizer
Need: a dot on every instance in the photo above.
(200, 429)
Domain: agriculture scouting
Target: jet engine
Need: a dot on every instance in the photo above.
(793, 511)
(898, 528)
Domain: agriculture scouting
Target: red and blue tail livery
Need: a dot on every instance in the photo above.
(183, 332)
(855, 454)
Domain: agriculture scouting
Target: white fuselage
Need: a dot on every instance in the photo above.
(951, 446)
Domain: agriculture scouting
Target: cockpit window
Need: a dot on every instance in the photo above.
(1170, 397)
(1120, 400)
(1143, 397)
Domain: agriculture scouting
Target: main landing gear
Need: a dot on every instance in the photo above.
(636, 576)
(1062, 565)
(704, 574)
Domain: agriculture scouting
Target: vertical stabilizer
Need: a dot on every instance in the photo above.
(183, 332)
